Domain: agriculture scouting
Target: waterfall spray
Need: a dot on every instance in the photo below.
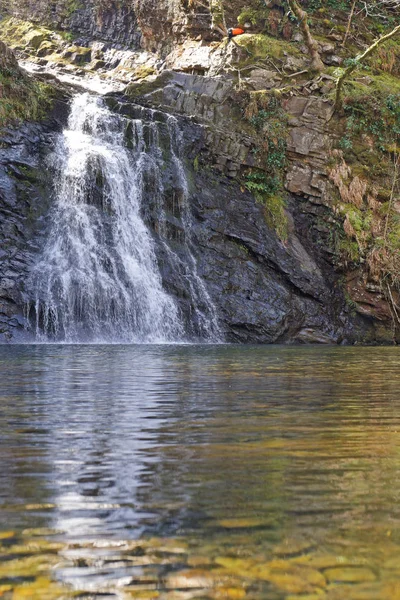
(97, 278)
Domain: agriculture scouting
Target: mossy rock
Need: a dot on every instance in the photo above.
(22, 98)
(97, 64)
(34, 39)
(147, 86)
(46, 48)
(260, 45)
(23, 34)
(143, 71)
(77, 55)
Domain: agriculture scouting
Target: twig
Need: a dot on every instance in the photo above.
(394, 182)
(298, 73)
(271, 62)
(353, 6)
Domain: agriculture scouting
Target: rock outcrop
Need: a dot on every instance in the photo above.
(287, 225)
(107, 20)
(8, 61)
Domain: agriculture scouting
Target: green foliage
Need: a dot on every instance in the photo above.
(375, 115)
(345, 143)
(254, 14)
(349, 249)
(360, 221)
(22, 98)
(271, 122)
(249, 15)
(68, 36)
(261, 185)
(72, 6)
(265, 114)
(217, 12)
(268, 191)
(315, 5)
(352, 62)
(350, 302)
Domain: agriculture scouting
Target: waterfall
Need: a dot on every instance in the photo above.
(98, 278)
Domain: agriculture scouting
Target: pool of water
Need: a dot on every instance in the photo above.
(179, 472)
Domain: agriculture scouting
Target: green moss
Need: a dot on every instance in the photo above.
(380, 84)
(349, 250)
(77, 55)
(260, 45)
(143, 71)
(276, 215)
(17, 33)
(394, 233)
(253, 15)
(136, 90)
(46, 48)
(79, 50)
(268, 191)
(72, 6)
(34, 39)
(22, 98)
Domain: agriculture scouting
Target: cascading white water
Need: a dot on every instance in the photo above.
(97, 278)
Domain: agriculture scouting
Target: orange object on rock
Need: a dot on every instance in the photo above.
(234, 31)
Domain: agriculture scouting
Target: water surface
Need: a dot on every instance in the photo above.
(179, 472)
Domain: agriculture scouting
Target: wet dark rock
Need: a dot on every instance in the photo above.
(25, 191)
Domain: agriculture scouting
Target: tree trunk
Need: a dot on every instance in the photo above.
(302, 16)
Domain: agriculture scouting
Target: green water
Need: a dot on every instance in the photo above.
(179, 472)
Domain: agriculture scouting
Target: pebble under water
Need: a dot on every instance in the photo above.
(180, 472)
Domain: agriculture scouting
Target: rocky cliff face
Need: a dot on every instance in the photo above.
(125, 23)
(107, 20)
(267, 288)
(288, 217)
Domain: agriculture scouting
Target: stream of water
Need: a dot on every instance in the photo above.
(98, 277)
(179, 472)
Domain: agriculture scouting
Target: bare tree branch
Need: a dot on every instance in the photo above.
(355, 62)
(346, 35)
(373, 8)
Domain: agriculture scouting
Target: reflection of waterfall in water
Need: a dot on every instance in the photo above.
(98, 278)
